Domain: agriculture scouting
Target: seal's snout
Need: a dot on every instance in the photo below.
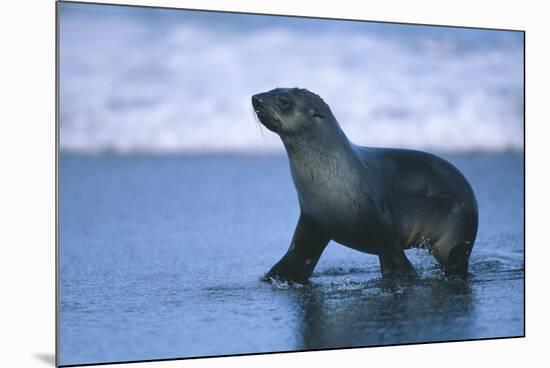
(256, 101)
(264, 109)
(262, 106)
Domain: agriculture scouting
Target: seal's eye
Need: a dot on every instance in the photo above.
(283, 101)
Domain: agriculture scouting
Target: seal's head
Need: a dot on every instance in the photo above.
(289, 111)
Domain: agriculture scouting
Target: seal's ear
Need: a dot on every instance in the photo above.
(316, 114)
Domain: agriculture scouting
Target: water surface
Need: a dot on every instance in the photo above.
(161, 257)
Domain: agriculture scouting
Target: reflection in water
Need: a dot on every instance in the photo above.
(384, 312)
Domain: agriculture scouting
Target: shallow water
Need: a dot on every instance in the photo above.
(161, 257)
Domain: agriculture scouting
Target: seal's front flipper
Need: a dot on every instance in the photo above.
(306, 248)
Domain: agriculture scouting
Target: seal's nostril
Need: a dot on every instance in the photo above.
(256, 99)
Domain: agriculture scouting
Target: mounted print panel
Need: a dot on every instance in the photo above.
(235, 183)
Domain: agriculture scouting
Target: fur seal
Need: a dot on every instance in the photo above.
(375, 200)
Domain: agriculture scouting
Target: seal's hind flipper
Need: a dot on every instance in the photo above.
(396, 265)
(393, 261)
(457, 263)
(454, 248)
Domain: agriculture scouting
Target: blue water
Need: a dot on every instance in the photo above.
(161, 257)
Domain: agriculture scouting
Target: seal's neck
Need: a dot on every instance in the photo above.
(318, 145)
(322, 158)
(326, 169)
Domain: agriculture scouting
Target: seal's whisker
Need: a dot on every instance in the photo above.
(257, 120)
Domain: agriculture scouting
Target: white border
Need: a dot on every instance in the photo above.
(27, 185)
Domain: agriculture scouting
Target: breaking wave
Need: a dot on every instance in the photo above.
(138, 80)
